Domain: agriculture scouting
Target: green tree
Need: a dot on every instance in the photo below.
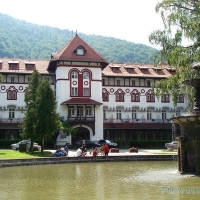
(47, 118)
(30, 114)
(179, 43)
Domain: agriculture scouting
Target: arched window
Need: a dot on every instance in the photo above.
(105, 95)
(165, 98)
(119, 95)
(135, 96)
(150, 96)
(180, 98)
(11, 93)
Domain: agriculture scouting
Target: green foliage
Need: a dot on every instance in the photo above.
(179, 43)
(47, 117)
(20, 39)
(41, 119)
(30, 118)
(65, 126)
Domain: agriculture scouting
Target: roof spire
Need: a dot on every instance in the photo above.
(76, 33)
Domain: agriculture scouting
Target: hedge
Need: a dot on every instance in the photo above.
(5, 144)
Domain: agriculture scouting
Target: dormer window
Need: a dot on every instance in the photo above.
(13, 64)
(30, 65)
(80, 51)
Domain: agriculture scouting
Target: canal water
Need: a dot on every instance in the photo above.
(105, 180)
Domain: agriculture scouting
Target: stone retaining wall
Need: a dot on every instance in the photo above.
(59, 160)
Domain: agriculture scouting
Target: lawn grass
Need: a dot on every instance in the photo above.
(12, 154)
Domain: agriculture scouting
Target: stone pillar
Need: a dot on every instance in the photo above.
(181, 156)
(197, 155)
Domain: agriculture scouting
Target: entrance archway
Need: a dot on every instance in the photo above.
(82, 133)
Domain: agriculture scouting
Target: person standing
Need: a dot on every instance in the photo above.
(106, 149)
(66, 150)
(102, 150)
(94, 153)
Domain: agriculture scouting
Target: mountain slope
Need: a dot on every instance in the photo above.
(21, 39)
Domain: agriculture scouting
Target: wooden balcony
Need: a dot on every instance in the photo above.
(137, 124)
(81, 119)
(11, 120)
(141, 121)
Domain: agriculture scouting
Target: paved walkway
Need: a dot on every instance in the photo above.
(125, 152)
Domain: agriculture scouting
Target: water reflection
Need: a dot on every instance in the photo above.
(111, 180)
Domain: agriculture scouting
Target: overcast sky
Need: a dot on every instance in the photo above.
(131, 20)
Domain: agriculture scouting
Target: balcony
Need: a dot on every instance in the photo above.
(11, 120)
(143, 121)
(81, 119)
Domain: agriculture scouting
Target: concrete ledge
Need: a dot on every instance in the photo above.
(59, 160)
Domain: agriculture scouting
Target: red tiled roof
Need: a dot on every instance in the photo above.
(122, 71)
(81, 101)
(40, 65)
(67, 53)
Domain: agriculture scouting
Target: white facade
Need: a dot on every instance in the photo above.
(102, 100)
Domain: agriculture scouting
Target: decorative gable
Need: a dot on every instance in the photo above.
(79, 51)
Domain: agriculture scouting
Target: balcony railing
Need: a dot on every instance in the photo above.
(11, 120)
(136, 121)
(81, 119)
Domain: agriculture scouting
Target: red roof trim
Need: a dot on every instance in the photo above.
(81, 101)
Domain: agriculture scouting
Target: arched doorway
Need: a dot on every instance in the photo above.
(82, 133)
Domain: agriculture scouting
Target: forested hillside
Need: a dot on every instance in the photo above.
(20, 39)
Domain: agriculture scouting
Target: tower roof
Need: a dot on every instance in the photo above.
(76, 50)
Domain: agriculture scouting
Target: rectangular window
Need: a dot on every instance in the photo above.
(80, 111)
(71, 111)
(148, 114)
(178, 113)
(164, 114)
(148, 83)
(132, 82)
(118, 82)
(119, 114)
(75, 91)
(104, 114)
(12, 79)
(134, 114)
(11, 113)
(88, 111)
(86, 92)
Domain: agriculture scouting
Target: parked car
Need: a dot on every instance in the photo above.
(89, 144)
(171, 145)
(110, 143)
(36, 147)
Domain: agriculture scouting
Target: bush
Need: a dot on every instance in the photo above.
(5, 144)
